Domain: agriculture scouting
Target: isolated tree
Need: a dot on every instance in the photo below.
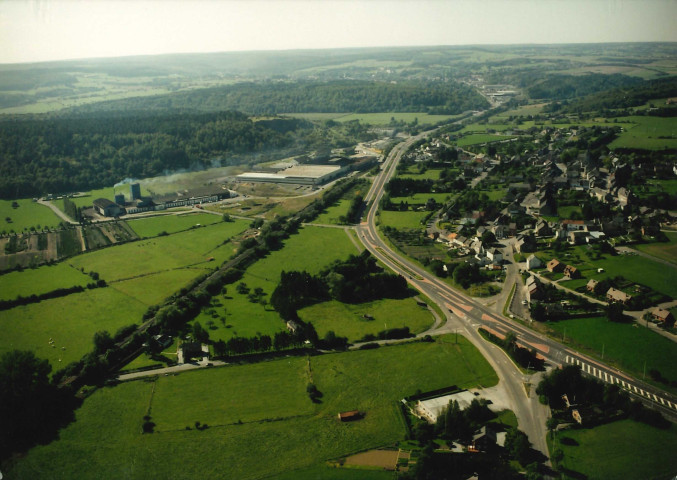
(614, 312)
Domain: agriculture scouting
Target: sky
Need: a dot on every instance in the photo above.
(44, 30)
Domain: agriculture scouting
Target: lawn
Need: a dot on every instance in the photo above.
(40, 280)
(348, 320)
(402, 219)
(70, 321)
(153, 226)
(627, 345)
(281, 431)
(624, 449)
(569, 210)
(664, 250)
(191, 248)
(650, 133)
(28, 214)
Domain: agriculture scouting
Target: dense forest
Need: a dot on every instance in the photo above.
(303, 97)
(621, 97)
(559, 87)
(52, 155)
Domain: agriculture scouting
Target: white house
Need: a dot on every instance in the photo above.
(533, 262)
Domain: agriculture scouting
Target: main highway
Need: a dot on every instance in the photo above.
(466, 315)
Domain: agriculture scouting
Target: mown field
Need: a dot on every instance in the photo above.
(279, 422)
(625, 449)
(28, 214)
(348, 320)
(153, 226)
(625, 344)
(665, 251)
(650, 133)
(70, 321)
(306, 250)
(192, 248)
(475, 139)
(402, 219)
(40, 280)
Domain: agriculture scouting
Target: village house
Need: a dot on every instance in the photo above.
(591, 285)
(533, 262)
(663, 316)
(617, 296)
(495, 255)
(555, 266)
(571, 272)
(532, 289)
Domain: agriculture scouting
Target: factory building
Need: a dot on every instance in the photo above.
(298, 174)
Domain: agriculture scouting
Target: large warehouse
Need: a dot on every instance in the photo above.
(298, 174)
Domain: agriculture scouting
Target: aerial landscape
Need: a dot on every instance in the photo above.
(338, 240)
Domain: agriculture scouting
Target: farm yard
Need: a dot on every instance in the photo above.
(242, 422)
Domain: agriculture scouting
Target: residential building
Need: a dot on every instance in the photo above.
(533, 262)
(554, 266)
(663, 316)
(617, 296)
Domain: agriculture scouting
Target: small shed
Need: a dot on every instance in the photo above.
(350, 416)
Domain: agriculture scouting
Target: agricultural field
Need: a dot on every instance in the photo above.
(356, 320)
(278, 420)
(40, 280)
(665, 251)
(28, 214)
(650, 133)
(152, 289)
(153, 226)
(622, 449)
(192, 248)
(402, 219)
(70, 321)
(233, 314)
(483, 127)
(627, 345)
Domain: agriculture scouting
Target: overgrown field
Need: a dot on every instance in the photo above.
(625, 449)
(356, 320)
(279, 422)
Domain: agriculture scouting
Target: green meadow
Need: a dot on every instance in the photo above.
(36, 281)
(192, 248)
(153, 289)
(664, 250)
(306, 250)
(475, 139)
(402, 219)
(624, 449)
(28, 214)
(650, 133)
(627, 345)
(253, 412)
(153, 226)
(70, 321)
(356, 320)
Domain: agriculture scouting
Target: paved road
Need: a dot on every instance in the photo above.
(469, 315)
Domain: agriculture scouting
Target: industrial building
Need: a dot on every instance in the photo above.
(432, 408)
(298, 174)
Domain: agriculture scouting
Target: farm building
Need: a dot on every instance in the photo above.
(432, 408)
(298, 174)
(105, 207)
(350, 416)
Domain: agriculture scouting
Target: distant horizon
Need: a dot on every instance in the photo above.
(65, 30)
(319, 49)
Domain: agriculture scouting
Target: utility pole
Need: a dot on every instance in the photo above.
(603, 351)
(644, 375)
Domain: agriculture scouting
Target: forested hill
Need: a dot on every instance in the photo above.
(623, 97)
(306, 97)
(560, 87)
(55, 155)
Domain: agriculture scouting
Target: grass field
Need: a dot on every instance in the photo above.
(483, 127)
(153, 289)
(40, 280)
(650, 133)
(422, 198)
(28, 214)
(279, 423)
(402, 219)
(569, 210)
(475, 139)
(633, 267)
(665, 251)
(70, 321)
(153, 226)
(624, 449)
(160, 254)
(332, 214)
(415, 174)
(348, 320)
(326, 472)
(624, 344)
(303, 251)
